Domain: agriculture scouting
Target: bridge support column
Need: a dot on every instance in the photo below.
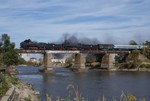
(79, 63)
(108, 61)
(47, 62)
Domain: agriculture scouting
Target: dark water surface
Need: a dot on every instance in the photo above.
(92, 85)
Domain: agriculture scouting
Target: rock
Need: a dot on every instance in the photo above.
(11, 70)
(36, 92)
(25, 91)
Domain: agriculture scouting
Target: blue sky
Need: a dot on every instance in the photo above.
(109, 21)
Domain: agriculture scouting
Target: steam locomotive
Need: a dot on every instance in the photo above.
(30, 45)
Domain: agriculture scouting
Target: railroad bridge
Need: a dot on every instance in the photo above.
(79, 65)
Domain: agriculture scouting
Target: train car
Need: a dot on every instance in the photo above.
(52, 46)
(88, 47)
(71, 47)
(129, 47)
(41, 46)
(30, 45)
(105, 46)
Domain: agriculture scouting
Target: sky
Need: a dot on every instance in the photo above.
(109, 21)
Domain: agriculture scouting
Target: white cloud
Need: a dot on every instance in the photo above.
(45, 20)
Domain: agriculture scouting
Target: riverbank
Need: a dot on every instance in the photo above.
(26, 92)
(12, 89)
(21, 92)
(125, 70)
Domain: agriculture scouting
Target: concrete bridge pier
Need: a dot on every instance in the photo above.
(79, 63)
(108, 61)
(47, 62)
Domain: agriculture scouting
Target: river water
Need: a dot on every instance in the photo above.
(92, 85)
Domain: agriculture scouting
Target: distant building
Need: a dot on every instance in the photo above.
(25, 57)
(62, 60)
(34, 60)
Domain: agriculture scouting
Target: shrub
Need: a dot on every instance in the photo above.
(5, 83)
(145, 66)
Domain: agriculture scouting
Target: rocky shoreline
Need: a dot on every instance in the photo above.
(21, 91)
(25, 92)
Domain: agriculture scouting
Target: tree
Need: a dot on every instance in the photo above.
(119, 58)
(132, 42)
(90, 58)
(147, 43)
(147, 52)
(8, 55)
(99, 57)
(133, 59)
(69, 60)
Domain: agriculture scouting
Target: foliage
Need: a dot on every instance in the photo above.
(30, 63)
(128, 61)
(145, 65)
(8, 55)
(99, 57)
(120, 58)
(127, 97)
(69, 60)
(77, 94)
(132, 42)
(134, 55)
(5, 83)
(147, 43)
(90, 58)
(147, 52)
(21, 61)
(132, 59)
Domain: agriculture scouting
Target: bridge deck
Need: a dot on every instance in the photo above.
(72, 51)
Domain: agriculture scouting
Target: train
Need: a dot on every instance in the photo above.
(30, 45)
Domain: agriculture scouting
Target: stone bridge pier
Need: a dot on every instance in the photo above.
(108, 61)
(79, 64)
(47, 62)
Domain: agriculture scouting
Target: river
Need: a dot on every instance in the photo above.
(92, 85)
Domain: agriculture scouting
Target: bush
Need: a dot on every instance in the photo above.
(145, 66)
(5, 83)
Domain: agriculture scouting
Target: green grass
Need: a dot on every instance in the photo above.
(145, 65)
(5, 83)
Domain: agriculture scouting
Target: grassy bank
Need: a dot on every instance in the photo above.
(145, 65)
(5, 83)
